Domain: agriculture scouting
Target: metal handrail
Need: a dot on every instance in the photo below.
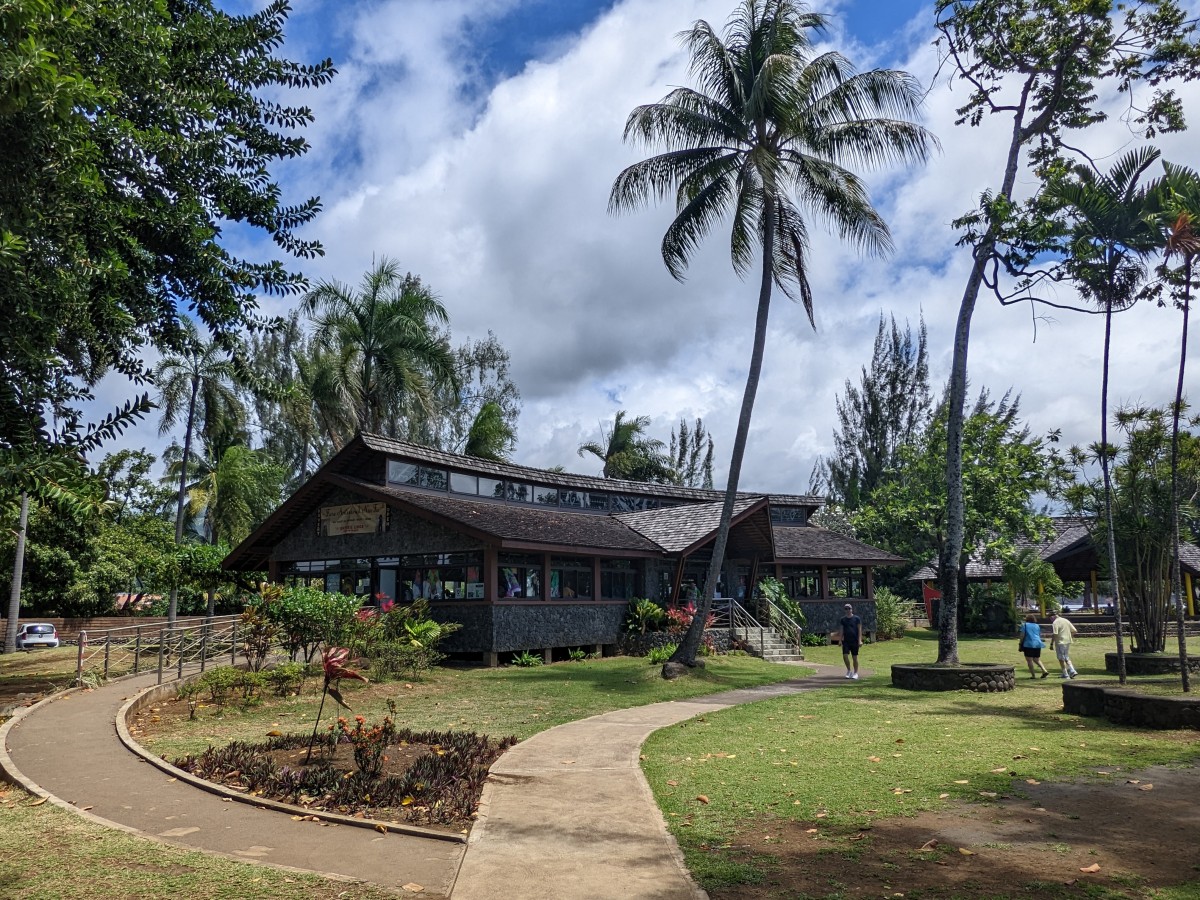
(729, 613)
(121, 651)
(782, 622)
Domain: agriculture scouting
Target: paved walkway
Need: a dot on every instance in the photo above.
(565, 814)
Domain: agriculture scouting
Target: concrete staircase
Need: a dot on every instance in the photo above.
(770, 645)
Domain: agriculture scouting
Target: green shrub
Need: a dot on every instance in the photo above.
(644, 615)
(813, 639)
(308, 617)
(892, 614)
(773, 589)
(659, 655)
(577, 654)
(220, 683)
(285, 678)
(396, 658)
(525, 659)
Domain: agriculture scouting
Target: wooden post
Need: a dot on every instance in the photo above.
(1191, 600)
(1041, 600)
(1095, 593)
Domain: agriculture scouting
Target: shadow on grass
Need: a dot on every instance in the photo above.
(644, 679)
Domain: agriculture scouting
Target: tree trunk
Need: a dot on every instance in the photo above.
(955, 502)
(14, 598)
(690, 646)
(1114, 579)
(173, 605)
(1176, 573)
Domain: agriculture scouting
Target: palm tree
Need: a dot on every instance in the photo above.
(234, 488)
(1107, 243)
(491, 436)
(387, 354)
(627, 452)
(196, 384)
(766, 139)
(1177, 198)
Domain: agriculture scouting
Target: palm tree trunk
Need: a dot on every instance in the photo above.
(173, 606)
(1114, 580)
(14, 597)
(687, 650)
(1176, 572)
(949, 564)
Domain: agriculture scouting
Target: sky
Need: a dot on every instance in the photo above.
(476, 141)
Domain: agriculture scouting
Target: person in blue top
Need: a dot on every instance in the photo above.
(1031, 645)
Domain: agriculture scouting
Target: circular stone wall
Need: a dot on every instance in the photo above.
(1150, 663)
(984, 678)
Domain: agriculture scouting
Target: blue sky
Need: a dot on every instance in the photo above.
(475, 141)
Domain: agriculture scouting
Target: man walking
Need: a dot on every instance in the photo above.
(851, 640)
(1062, 634)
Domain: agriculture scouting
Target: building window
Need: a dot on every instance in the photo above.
(618, 579)
(491, 487)
(848, 582)
(438, 576)
(789, 515)
(801, 581)
(519, 576)
(570, 578)
(546, 496)
(417, 476)
(464, 484)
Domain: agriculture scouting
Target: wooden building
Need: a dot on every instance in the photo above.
(529, 559)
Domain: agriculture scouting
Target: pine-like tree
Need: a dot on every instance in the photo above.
(889, 409)
(691, 454)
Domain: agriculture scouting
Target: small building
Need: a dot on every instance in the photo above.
(529, 559)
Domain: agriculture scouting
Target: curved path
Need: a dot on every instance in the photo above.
(565, 814)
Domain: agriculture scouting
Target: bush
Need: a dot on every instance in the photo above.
(577, 654)
(813, 639)
(644, 615)
(308, 617)
(773, 589)
(526, 660)
(393, 659)
(285, 678)
(892, 614)
(659, 655)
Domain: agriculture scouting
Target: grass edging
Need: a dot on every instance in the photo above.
(155, 692)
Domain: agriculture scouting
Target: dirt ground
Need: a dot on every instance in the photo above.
(1120, 834)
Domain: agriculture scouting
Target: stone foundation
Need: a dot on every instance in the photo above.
(1123, 706)
(1150, 663)
(983, 678)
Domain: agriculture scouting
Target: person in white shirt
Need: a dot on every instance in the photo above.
(1062, 634)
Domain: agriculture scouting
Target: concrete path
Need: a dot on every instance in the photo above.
(69, 748)
(568, 815)
(565, 814)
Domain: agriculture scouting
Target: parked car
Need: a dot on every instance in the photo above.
(36, 634)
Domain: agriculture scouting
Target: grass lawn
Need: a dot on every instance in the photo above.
(848, 757)
(499, 702)
(50, 854)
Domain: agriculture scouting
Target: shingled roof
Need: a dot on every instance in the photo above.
(513, 524)
(830, 547)
(679, 529)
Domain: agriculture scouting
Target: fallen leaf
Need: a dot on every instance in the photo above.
(297, 818)
(963, 781)
(1145, 787)
(1032, 781)
(822, 815)
(381, 828)
(1132, 780)
(943, 796)
(1094, 867)
(673, 783)
(899, 740)
(811, 830)
(965, 852)
(702, 798)
(85, 808)
(930, 844)
(169, 780)
(874, 759)
(412, 887)
(1005, 768)
(274, 732)
(39, 802)
(1019, 756)
(226, 800)
(859, 837)
(991, 795)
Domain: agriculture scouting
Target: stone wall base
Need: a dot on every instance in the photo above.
(983, 678)
(1123, 706)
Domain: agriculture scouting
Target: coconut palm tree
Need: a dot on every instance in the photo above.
(387, 353)
(197, 387)
(491, 436)
(1177, 208)
(233, 489)
(627, 452)
(768, 138)
(1107, 243)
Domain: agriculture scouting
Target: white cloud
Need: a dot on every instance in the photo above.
(499, 203)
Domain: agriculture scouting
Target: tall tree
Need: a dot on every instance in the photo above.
(1177, 199)
(197, 387)
(1041, 64)
(132, 135)
(389, 358)
(889, 409)
(628, 453)
(484, 378)
(233, 489)
(691, 454)
(768, 139)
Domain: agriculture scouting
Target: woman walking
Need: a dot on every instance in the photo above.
(1031, 645)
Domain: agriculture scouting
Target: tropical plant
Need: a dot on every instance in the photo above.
(197, 386)
(892, 614)
(627, 453)
(1028, 576)
(644, 615)
(527, 660)
(491, 435)
(1043, 63)
(1176, 200)
(775, 591)
(229, 495)
(766, 139)
(656, 656)
(334, 669)
(388, 358)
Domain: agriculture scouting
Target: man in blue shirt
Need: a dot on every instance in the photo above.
(851, 640)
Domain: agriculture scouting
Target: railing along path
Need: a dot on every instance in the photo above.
(134, 649)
